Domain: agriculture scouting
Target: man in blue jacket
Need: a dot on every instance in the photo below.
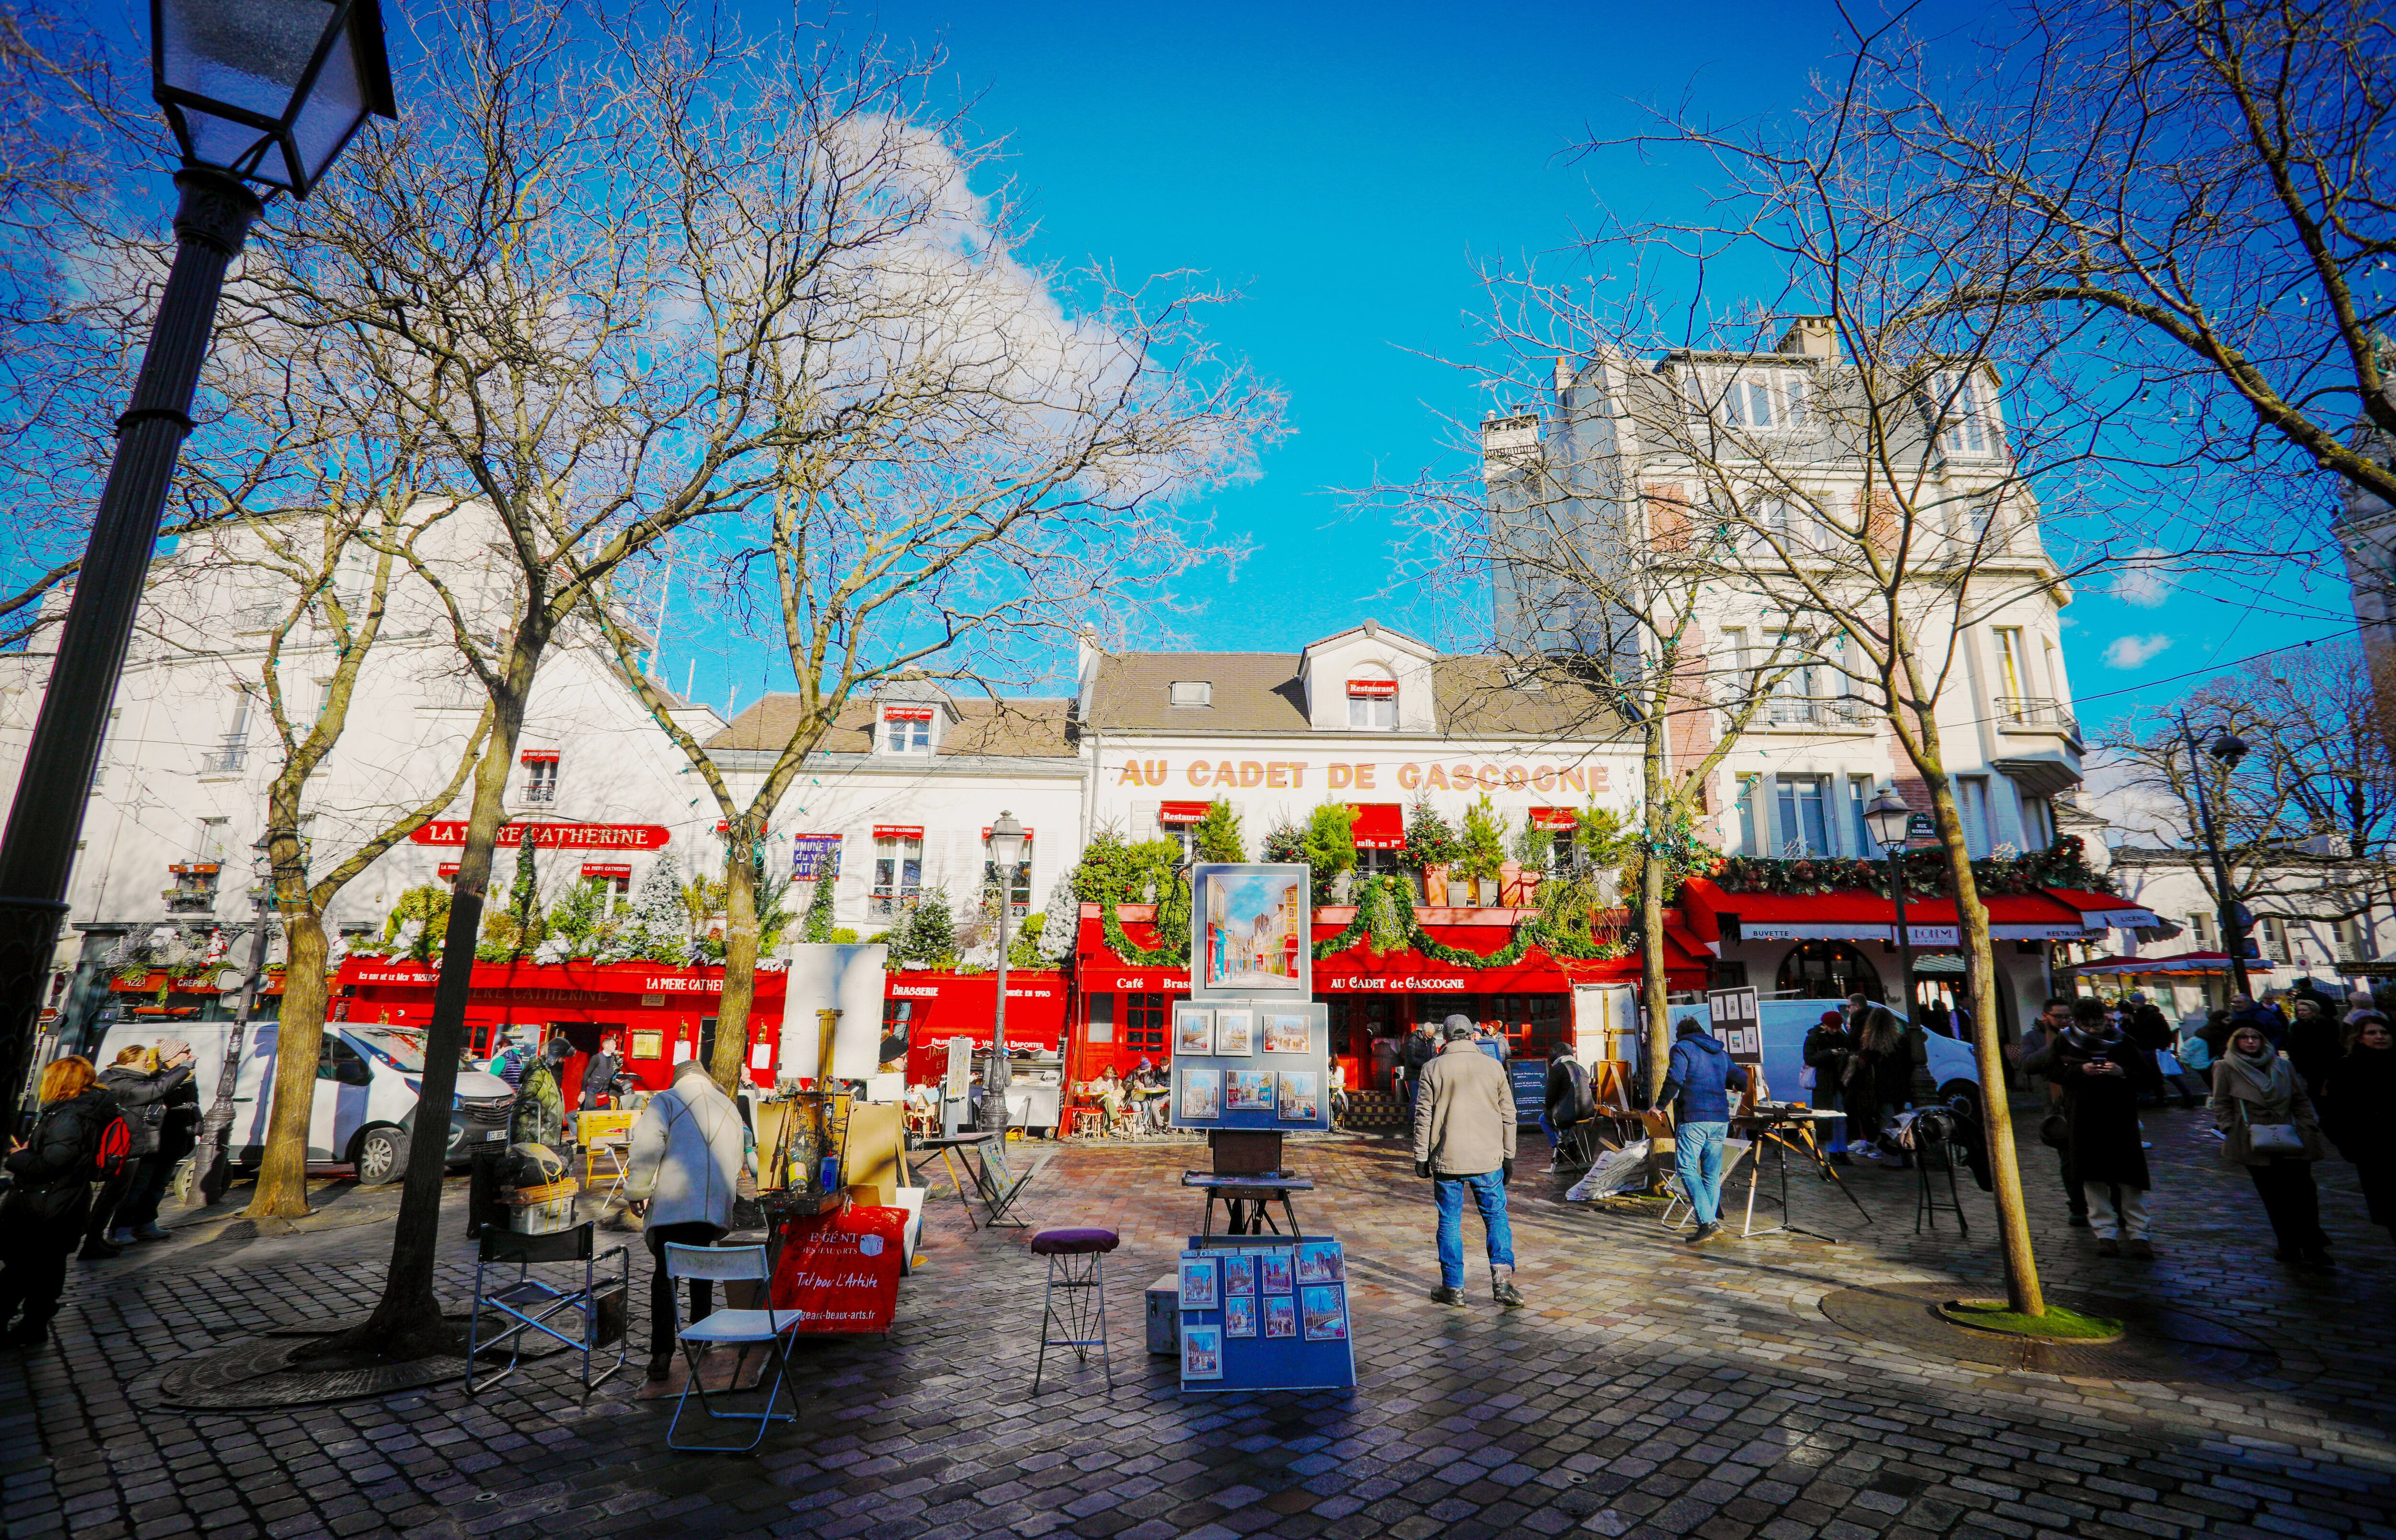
(1696, 1087)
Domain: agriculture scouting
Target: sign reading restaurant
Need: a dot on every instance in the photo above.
(449, 831)
(1366, 774)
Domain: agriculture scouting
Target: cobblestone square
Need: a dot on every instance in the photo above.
(1650, 1389)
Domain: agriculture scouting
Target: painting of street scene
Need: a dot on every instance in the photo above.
(1251, 930)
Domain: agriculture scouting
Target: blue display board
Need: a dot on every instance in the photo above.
(1530, 1078)
(1252, 1064)
(1265, 1313)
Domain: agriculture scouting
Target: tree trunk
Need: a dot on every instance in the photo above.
(1653, 988)
(407, 1321)
(298, 1046)
(2022, 1291)
(739, 959)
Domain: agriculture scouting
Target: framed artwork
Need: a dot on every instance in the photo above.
(649, 1046)
(1238, 1316)
(1202, 1352)
(1238, 1278)
(1288, 1032)
(1280, 1315)
(1199, 1290)
(1318, 1261)
(1193, 1031)
(1201, 1093)
(1235, 1033)
(1252, 1091)
(1250, 932)
(1298, 1102)
(1327, 1315)
(1273, 1272)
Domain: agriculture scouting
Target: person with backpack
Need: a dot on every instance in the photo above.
(79, 1138)
(1569, 1103)
(144, 1084)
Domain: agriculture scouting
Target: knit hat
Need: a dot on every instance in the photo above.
(1829, 1018)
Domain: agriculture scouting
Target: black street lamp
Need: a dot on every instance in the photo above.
(1005, 853)
(2227, 749)
(257, 91)
(1888, 819)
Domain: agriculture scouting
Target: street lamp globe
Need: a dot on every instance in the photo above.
(1888, 818)
(268, 90)
(2229, 748)
(1007, 841)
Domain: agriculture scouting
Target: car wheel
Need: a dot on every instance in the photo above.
(1967, 1092)
(382, 1155)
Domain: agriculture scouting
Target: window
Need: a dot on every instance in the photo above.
(1734, 656)
(1959, 408)
(1019, 899)
(324, 700)
(1803, 829)
(213, 834)
(342, 1063)
(1373, 704)
(540, 778)
(2037, 823)
(1827, 970)
(907, 730)
(2353, 944)
(1101, 1028)
(1143, 1022)
(1972, 800)
(1792, 694)
(2272, 936)
(2009, 662)
(1859, 796)
(897, 873)
(1191, 692)
(1792, 401)
(2200, 930)
(1750, 817)
(230, 756)
(1748, 403)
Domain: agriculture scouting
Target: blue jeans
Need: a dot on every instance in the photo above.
(1697, 1153)
(1488, 1192)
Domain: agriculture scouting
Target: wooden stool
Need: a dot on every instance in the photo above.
(1085, 1123)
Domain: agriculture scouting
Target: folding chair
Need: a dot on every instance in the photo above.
(530, 1303)
(729, 1328)
(1000, 1188)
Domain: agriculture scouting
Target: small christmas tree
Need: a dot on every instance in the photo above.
(659, 925)
(1059, 924)
(929, 936)
(1217, 834)
(818, 926)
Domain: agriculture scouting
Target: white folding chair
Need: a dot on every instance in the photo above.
(769, 1327)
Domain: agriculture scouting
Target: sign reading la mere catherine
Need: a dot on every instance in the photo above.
(1364, 775)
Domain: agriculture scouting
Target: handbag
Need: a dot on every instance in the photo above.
(1806, 1077)
(2271, 1138)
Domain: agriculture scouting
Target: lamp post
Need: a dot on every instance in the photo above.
(1888, 818)
(2227, 749)
(257, 91)
(211, 1172)
(1005, 852)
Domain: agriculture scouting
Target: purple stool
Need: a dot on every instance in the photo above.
(1076, 1301)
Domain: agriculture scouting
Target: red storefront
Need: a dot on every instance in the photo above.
(662, 1015)
(929, 1008)
(1121, 1011)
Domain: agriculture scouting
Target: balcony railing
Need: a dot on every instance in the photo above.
(1839, 712)
(2037, 714)
(226, 761)
(886, 905)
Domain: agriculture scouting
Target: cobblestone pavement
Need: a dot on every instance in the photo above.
(1651, 1389)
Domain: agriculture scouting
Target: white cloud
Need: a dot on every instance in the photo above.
(2146, 580)
(2131, 652)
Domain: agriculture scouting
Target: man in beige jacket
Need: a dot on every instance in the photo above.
(1464, 1142)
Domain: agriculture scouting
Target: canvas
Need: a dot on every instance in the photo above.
(1298, 1101)
(1327, 1315)
(1199, 1288)
(1201, 1093)
(1238, 1317)
(1280, 1315)
(1193, 1031)
(1249, 931)
(1251, 1091)
(1318, 1261)
(1239, 1275)
(1235, 1033)
(1288, 1032)
(1202, 1352)
(1273, 1272)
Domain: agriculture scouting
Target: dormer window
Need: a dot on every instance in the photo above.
(907, 729)
(1191, 692)
(1373, 704)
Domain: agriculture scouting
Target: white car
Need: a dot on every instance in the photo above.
(366, 1083)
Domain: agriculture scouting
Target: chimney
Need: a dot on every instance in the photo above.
(1565, 373)
(1815, 335)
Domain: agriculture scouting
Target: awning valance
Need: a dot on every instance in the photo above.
(1379, 826)
(2182, 963)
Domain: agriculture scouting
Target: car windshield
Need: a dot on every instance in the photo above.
(402, 1051)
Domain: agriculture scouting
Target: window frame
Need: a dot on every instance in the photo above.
(540, 782)
(897, 880)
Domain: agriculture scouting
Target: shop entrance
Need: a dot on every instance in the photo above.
(1828, 970)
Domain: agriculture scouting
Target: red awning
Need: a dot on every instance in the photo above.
(1554, 817)
(898, 831)
(1855, 914)
(2105, 910)
(1181, 812)
(449, 869)
(2184, 962)
(606, 868)
(906, 713)
(1379, 826)
(1372, 686)
(539, 756)
(985, 833)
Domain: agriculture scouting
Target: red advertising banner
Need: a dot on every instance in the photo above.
(449, 832)
(839, 1270)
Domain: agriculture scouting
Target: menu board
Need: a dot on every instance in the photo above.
(1254, 1064)
(1266, 1313)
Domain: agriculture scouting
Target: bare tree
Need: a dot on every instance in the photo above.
(574, 262)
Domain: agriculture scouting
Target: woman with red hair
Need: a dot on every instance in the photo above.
(42, 1217)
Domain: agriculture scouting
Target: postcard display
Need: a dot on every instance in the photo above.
(1263, 1312)
(1252, 1051)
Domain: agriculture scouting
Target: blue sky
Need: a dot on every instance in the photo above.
(1345, 166)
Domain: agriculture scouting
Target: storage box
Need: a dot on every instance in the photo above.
(543, 1219)
(1164, 1316)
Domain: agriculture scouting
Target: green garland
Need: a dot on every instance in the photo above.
(1172, 928)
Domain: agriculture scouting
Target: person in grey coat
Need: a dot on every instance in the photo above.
(1464, 1142)
(689, 1148)
(143, 1080)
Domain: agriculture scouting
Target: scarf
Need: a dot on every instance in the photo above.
(2262, 1078)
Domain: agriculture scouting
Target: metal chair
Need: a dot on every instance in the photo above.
(1077, 1272)
(531, 1303)
(729, 1328)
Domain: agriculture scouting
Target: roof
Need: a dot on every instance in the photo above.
(1004, 728)
(1261, 693)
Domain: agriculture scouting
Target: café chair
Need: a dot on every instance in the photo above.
(1076, 1301)
(729, 1328)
